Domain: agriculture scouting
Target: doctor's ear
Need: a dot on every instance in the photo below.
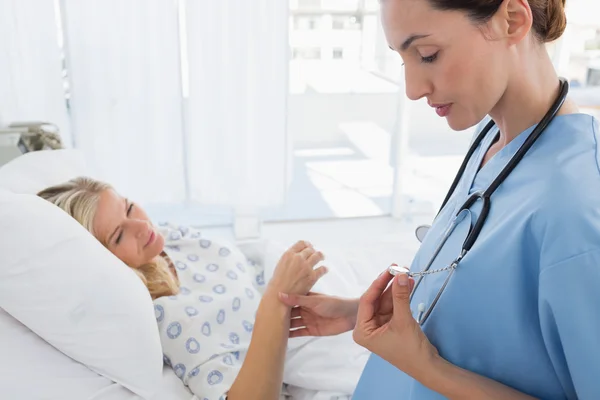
(512, 22)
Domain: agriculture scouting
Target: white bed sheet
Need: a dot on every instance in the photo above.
(172, 388)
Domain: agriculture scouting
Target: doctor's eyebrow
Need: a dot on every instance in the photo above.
(409, 41)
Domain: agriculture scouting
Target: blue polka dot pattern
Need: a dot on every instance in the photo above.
(221, 316)
(234, 338)
(179, 370)
(184, 291)
(166, 360)
(173, 248)
(184, 230)
(248, 326)
(195, 235)
(260, 279)
(208, 317)
(232, 275)
(175, 235)
(174, 330)
(159, 312)
(191, 311)
(192, 346)
(212, 267)
(194, 372)
(236, 304)
(219, 289)
(206, 329)
(173, 297)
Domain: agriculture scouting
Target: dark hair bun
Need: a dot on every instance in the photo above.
(556, 21)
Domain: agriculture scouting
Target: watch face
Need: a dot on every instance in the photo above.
(395, 269)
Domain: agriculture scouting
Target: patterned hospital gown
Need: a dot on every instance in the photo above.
(205, 330)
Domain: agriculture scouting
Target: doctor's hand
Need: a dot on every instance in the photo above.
(385, 325)
(320, 315)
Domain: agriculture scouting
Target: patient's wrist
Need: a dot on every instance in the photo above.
(352, 310)
(271, 296)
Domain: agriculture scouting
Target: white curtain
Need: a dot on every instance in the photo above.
(31, 84)
(124, 66)
(190, 108)
(238, 53)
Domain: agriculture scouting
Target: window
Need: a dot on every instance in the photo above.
(346, 22)
(305, 22)
(341, 118)
(308, 3)
(303, 53)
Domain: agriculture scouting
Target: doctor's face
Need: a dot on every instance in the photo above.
(125, 229)
(447, 59)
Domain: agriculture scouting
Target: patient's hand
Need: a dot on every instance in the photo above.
(295, 272)
(320, 315)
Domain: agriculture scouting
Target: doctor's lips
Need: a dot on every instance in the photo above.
(150, 239)
(441, 109)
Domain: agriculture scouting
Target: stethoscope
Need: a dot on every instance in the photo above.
(474, 232)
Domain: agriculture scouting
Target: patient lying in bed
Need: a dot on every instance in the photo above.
(222, 327)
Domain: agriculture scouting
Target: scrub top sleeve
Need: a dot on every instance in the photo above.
(569, 300)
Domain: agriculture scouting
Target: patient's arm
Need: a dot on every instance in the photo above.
(261, 374)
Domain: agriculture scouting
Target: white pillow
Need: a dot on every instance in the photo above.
(25, 356)
(61, 283)
(38, 170)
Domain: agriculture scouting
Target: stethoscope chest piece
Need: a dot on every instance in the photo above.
(421, 232)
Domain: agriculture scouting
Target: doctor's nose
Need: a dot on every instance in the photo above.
(417, 86)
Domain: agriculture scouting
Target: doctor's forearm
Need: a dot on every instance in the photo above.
(456, 383)
(261, 375)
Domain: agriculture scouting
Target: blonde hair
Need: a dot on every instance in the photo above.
(79, 198)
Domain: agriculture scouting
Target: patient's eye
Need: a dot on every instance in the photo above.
(129, 209)
(119, 237)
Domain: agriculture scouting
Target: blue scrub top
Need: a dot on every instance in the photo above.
(523, 307)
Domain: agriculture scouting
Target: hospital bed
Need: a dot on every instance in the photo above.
(352, 269)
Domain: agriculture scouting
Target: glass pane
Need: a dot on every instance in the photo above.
(341, 112)
(577, 56)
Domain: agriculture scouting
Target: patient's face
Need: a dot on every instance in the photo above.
(125, 229)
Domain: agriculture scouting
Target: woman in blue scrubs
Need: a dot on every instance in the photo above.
(519, 318)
